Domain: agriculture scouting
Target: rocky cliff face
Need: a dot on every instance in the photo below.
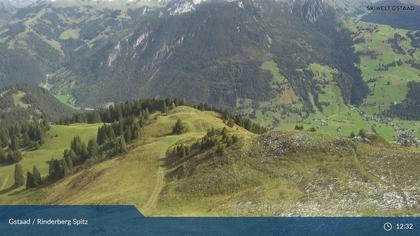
(313, 10)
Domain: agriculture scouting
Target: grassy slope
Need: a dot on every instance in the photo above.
(59, 138)
(17, 100)
(372, 180)
(133, 175)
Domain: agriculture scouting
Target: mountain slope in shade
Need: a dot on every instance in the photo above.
(215, 53)
(23, 103)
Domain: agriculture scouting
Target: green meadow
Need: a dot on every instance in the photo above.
(58, 139)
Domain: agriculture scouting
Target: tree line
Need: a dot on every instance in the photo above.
(123, 110)
(218, 138)
(136, 108)
(231, 118)
(29, 135)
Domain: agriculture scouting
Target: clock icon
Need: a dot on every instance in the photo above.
(387, 226)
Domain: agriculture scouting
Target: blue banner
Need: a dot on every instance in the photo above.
(126, 220)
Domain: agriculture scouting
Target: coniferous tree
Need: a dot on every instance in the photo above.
(19, 176)
(56, 170)
(27, 142)
(120, 146)
(93, 117)
(64, 168)
(93, 149)
(4, 138)
(128, 134)
(10, 156)
(37, 176)
(69, 156)
(3, 156)
(14, 156)
(123, 145)
(172, 106)
(30, 181)
(41, 138)
(101, 135)
(135, 131)
(110, 134)
(146, 113)
(80, 149)
(14, 144)
(179, 127)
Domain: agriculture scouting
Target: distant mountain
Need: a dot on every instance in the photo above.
(209, 51)
(23, 103)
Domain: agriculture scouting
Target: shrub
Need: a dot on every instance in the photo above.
(179, 127)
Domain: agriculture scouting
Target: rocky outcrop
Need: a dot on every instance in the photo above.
(312, 10)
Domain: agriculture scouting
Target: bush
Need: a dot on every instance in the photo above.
(220, 150)
(179, 127)
(362, 133)
(299, 127)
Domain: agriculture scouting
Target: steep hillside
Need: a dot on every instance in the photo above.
(23, 103)
(213, 51)
(278, 173)
(16, 67)
(215, 54)
(51, 35)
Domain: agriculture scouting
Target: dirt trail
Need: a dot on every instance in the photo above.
(4, 183)
(160, 182)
